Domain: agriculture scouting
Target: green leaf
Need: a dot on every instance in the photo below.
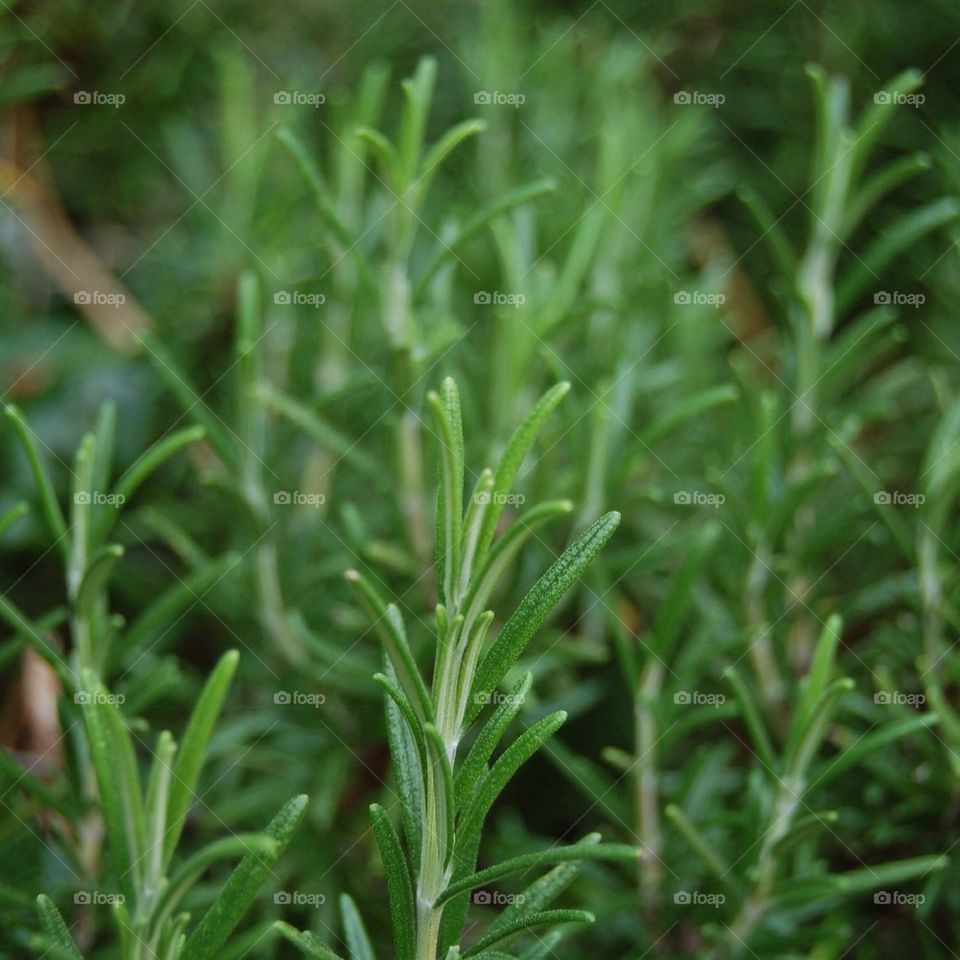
(192, 403)
(537, 605)
(389, 623)
(576, 852)
(527, 922)
(163, 614)
(189, 761)
(444, 147)
(306, 942)
(418, 91)
(812, 889)
(242, 886)
(440, 790)
(688, 409)
(319, 189)
(386, 153)
(408, 751)
(821, 670)
(55, 927)
(15, 777)
(488, 738)
(751, 717)
(112, 777)
(34, 635)
(399, 886)
(868, 745)
(446, 414)
(17, 511)
(673, 607)
(503, 551)
(104, 432)
(881, 183)
(876, 116)
(476, 223)
(41, 479)
(97, 575)
(192, 869)
(699, 843)
(541, 893)
(326, 435)
(800, 752)
(358, 943)
(896, 237)
(772, 231)
(141, 469)
(513, 457)
(490, 787)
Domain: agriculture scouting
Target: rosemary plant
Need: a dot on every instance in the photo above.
(446, 792)
(141, 822)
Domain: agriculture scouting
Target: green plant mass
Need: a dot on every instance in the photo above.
(479, 481)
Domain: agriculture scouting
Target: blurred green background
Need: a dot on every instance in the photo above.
(204, 172)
